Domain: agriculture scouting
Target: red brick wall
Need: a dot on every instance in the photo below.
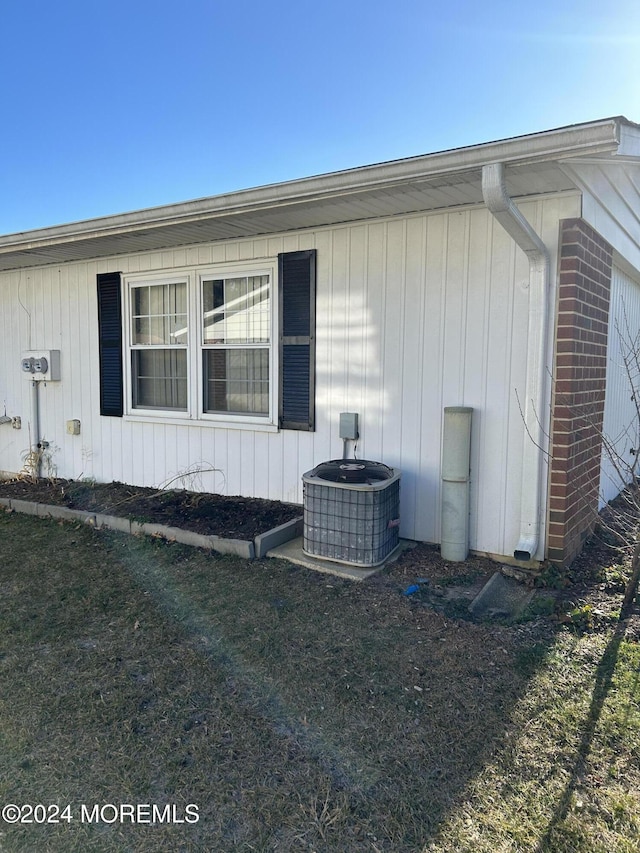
(579, 388)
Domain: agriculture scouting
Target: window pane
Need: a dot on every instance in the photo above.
(159, 314)
(142, 330)
(141, 300)
(237, 310)
(177, 329)
(157, 326)
(237, 381)
(159, 379)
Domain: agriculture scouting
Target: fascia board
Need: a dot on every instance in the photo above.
(629, 140)
(580, 140)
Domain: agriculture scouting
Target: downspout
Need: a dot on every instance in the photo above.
(533, 406)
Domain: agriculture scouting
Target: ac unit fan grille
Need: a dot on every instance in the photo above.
(353, 523)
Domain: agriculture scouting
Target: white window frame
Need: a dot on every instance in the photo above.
(235, 271)
(194, 278)
(130, 284)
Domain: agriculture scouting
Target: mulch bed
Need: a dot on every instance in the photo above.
(209, 514)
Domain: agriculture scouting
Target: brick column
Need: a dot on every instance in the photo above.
(579, 388)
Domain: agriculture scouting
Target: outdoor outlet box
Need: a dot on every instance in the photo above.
(41, 364)
(73, 427)
(349, 425)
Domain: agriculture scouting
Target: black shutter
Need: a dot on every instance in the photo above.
(297, 282)
(110, 344)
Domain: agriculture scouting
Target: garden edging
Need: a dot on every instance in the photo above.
(247, 548)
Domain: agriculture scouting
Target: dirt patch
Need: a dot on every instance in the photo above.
(200, 512)
(586, 596)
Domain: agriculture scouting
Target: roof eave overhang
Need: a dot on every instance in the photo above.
(587, 140)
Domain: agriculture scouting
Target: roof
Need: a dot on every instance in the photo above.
(533, 166)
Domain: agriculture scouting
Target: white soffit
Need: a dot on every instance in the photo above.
(433, 181)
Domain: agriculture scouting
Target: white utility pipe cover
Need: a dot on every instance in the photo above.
(456, 455)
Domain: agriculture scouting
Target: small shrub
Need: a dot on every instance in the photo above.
(614, 578)
(581, 618)
(552, 577)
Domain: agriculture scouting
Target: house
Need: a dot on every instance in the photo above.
(214, 344)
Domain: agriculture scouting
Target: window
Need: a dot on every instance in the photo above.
(159, 341)
(236, 337)
(232, 346)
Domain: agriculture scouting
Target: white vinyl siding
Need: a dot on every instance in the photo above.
(610, 203)
(620, 426)
(413, 313)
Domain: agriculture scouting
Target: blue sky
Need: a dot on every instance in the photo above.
(111, 107)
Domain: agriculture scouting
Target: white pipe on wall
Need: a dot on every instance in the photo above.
(456, 455)
(533, 405)
(35, 418)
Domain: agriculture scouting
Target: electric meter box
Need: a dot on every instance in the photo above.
(42, 364)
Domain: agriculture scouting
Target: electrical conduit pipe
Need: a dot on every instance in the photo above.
(504, 210)
(35, 417)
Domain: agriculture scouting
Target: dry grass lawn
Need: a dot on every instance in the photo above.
(297, 712)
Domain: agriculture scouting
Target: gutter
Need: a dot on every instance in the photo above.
(590, 139)
(503, 209)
